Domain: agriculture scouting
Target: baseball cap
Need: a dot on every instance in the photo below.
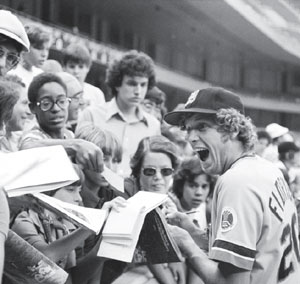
(285, 147)
(275, 130)
(206, 101)
(11, 27)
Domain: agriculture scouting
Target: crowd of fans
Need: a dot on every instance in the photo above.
(44, 103)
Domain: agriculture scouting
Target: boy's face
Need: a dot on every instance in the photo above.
(132, 91)
(53, 120)
(78, 70)
(37, 56)
(9, 55)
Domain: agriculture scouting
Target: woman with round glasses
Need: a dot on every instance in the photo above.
(153, 165)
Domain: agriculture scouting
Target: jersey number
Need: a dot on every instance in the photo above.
(289, 237)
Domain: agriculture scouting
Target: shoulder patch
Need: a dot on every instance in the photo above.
(228, 219)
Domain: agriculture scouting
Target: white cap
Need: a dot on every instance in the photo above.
(11, 27)
(275, 130)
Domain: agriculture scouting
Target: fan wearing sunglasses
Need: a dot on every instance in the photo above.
(153, 166)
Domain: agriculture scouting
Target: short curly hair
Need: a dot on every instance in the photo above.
(187, 171)
(231, 121)
(132, 63)
(154, 144)
(39, 81)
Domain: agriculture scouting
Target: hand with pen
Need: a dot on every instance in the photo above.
(183, 221)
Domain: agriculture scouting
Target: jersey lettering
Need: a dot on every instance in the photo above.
(278, 198)
(289, 237)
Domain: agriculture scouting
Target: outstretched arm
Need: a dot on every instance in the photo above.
(210, 271)
(86, 154)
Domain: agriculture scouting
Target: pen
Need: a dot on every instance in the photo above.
(191, 212)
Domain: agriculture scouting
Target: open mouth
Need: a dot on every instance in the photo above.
(203, 154)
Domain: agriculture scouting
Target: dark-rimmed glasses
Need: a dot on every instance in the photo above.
(47, 103)
(149, 172)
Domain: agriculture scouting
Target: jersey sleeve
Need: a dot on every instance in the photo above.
(238, 224)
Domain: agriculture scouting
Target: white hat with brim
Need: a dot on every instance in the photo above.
(275, 130)
(11, 27)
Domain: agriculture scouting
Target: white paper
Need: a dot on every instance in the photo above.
(113, 179)
(36, 170)
(90, 218)
(122, 229)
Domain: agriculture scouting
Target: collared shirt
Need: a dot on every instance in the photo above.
(110, 117)
(92, 95)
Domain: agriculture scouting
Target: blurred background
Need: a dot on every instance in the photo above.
(249, 46)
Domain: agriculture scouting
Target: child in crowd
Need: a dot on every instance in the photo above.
(192, 188)
(154, 103)
(96, 189)
(32, 62)
(192, 192)
(58, 238)
(77, 61)
(9, 142)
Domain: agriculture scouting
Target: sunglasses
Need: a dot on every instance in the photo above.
(149, 172)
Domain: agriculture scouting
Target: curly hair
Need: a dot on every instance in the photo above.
(154, 144)
(133, 63)
(231, 120)
(187, 171)
(39, 81)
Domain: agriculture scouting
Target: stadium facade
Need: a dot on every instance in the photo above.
(249, 46)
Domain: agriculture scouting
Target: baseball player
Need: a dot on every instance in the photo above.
(254, 233)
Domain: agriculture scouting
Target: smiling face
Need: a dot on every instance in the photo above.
(132, 91)
(195, 192)
(212, 146)
(52, 121)
(158, 182)
(20, 113)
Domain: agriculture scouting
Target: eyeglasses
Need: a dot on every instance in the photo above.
(12, 59)
(77, 97)
(47, 104)
(149, 172)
